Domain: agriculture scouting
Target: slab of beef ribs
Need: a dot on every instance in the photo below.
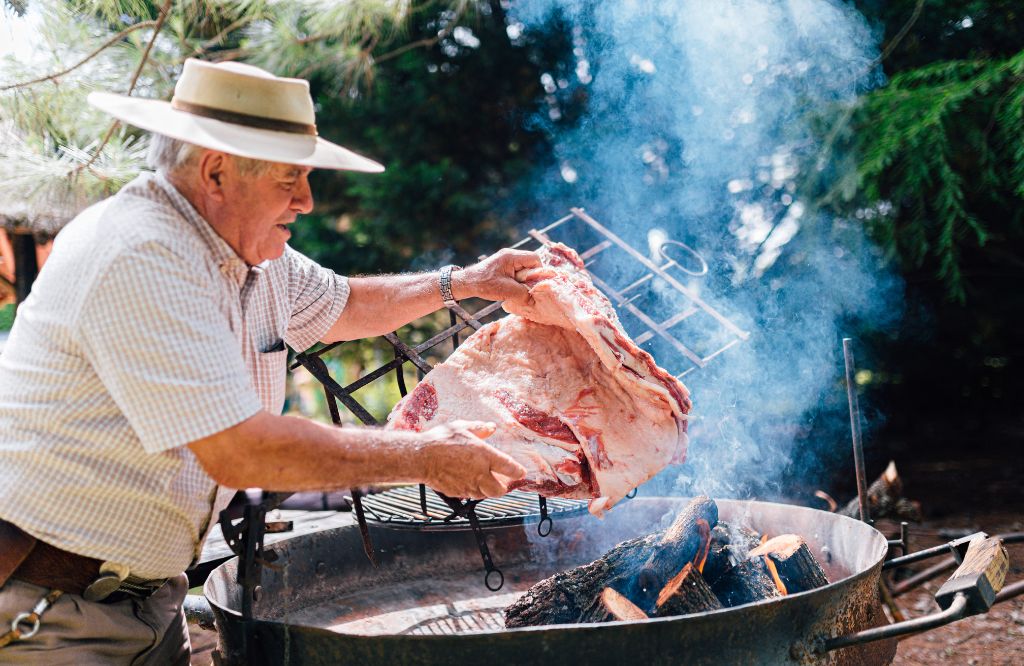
(587, 412)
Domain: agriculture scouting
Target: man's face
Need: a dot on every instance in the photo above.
(264, 205)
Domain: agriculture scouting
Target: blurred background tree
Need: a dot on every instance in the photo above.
(933, 164)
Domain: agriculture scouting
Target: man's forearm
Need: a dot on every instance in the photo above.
(290, 453)
(381, 304)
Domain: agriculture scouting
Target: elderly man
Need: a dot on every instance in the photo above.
(144, 375)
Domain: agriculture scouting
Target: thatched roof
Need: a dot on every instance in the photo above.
(44, 216)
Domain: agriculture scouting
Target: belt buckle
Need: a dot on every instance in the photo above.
(110, 578)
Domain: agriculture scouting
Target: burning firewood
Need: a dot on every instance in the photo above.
(686, 593)
(637, 569)
(729, 546)
(748, 581)
(796, 566)
(620, 607)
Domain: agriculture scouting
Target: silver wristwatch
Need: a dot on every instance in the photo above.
(444, 282)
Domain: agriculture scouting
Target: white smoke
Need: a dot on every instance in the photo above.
(700, 121)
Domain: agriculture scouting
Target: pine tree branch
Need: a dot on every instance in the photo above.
(898, 37)
(216, 39)
(424, 43)
(110, 42)
(164, 12)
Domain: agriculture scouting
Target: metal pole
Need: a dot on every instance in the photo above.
(858, 449)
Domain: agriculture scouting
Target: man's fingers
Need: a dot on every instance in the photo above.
(524, 259)
(505, 465)
(491, 487)
(516, 291)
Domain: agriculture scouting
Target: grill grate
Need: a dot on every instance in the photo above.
(401, 508)
(459, 623)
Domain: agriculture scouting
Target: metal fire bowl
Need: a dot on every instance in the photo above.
(324, 603)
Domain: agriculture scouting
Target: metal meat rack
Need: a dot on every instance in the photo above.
(664, 316)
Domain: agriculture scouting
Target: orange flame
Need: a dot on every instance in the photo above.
(705, 541)
(775, 575)
(772, 570)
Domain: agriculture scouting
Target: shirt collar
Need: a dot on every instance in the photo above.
(226, 259)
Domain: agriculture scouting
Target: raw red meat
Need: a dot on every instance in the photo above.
(587, 412)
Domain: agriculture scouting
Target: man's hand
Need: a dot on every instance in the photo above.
(494, 278)
(457, 462)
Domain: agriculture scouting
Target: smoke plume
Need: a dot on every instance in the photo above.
(702, 120)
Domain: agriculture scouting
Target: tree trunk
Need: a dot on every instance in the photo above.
(729, 546)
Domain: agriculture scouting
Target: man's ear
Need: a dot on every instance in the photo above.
(213, 166)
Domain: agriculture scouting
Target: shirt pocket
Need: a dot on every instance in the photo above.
(269, 378)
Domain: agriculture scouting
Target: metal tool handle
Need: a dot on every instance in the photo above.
(969, 591)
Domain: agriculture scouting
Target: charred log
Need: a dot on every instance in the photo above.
(746, 582)
(729, 546)
(637, 569)
(686, 593)
(885, 499)
(797, 567)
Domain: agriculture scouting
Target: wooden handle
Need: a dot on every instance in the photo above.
(979, 577)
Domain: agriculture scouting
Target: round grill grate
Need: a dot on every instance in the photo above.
(401, 508)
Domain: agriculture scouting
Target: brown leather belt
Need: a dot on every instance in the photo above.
(25, 558)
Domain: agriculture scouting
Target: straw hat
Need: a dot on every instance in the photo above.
(238, 109)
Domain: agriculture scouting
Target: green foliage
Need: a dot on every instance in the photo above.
(940, 163)
(7, 316)
(449, 122)
(54, 157)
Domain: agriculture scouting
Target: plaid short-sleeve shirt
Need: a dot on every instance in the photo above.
(143, 332)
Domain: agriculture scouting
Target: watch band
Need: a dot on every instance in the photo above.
(444, 283)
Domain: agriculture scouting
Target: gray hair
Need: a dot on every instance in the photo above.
(172, 156)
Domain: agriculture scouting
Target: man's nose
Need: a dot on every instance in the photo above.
(302, 197)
